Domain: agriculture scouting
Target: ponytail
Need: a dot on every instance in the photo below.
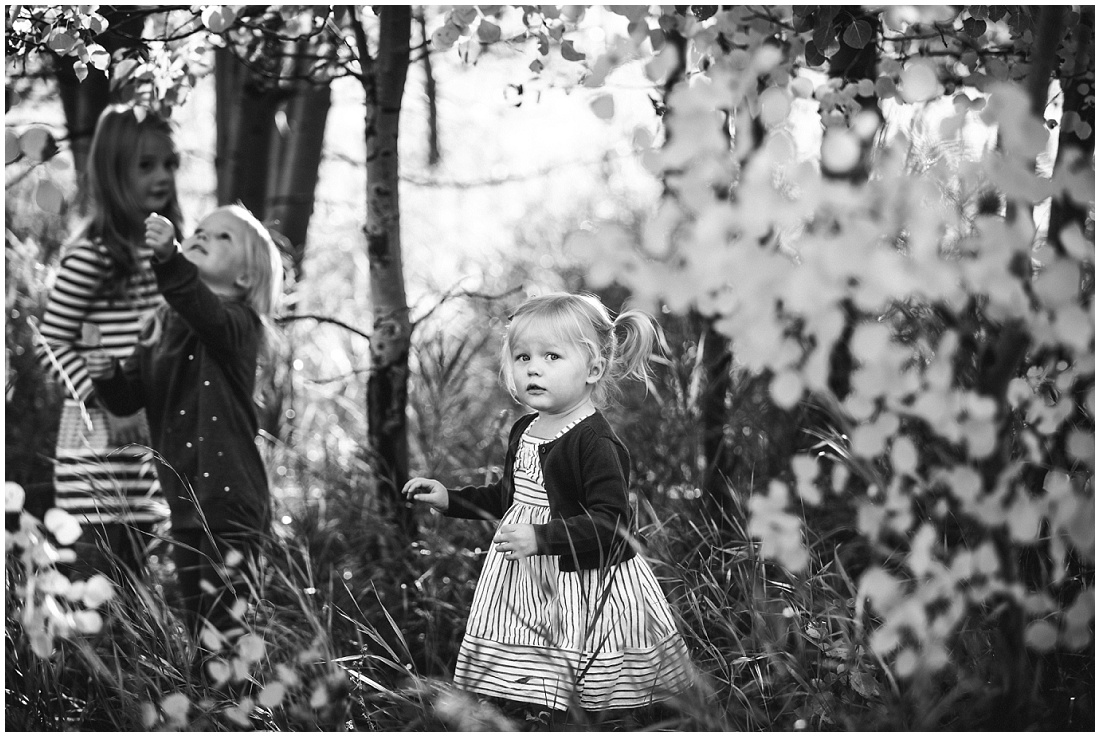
(638, 336)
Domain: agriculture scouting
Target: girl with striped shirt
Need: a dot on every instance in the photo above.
(565, 614)
(103, 292)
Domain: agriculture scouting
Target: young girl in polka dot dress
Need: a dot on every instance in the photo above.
(194, 373)
(565, 615)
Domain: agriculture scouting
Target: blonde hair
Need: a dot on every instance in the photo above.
(116, 216)
(625, 343)
(263, 262)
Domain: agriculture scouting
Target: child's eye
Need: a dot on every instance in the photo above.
(553, 356)
(521, 356)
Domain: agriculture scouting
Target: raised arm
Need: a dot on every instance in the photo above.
(225, 327)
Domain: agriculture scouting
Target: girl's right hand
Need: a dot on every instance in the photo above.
(160, 234)
(429, 491)
(99, 365)
(127, 430)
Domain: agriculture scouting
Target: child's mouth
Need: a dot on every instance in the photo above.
(535, 389)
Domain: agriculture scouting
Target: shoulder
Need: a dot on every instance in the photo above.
(520, 425)
(86, 253)
(595, 428)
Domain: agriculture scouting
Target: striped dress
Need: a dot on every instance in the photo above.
(598, 639)
(95, 480)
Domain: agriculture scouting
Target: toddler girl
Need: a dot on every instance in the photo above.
(103, 293)
(194, 373)
(565, 614)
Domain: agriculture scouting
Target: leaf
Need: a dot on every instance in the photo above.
(80, 69)
(217, 18)
(858, 34)
(98, 590)
(61, 42)
(464, 14)
(1041, 636)
(175, 706)
(272, 695)
(37, 143)
(603, 106)
(840, 151)
(98, 57)
(814, 57)
(903, 456)
(63, 525)
(14, 497)
(251, 648)
(445, 36)
(88, 622)
(863, 684)
(974, 27)
(488, 32)
(218, 670)
(569, 53)
(786, 389)
(775, 106)
(918, 83)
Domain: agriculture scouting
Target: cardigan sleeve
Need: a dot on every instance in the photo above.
(224, 327)
(604, 501)
(492, 500)
(476, 502)
(123, 393)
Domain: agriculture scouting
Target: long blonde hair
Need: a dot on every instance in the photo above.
(116, 217)
(625, 343)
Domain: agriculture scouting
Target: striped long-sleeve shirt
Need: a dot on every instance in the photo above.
(78, 296)
(94, 478)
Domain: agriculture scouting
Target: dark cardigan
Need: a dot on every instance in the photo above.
(585, 473)
(196, 384)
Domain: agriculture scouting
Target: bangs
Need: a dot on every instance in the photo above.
(549, 321)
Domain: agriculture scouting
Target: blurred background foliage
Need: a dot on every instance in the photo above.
(624, 150)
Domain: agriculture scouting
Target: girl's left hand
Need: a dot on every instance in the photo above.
(516, 541)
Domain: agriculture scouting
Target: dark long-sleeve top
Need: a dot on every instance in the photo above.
(585, 473)
(196, 383)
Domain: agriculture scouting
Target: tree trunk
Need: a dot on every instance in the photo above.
(387, 388)
(245, 120)
(434, 155)
(296, 153)
(83, 102)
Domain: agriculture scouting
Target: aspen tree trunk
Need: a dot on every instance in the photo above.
(1014, 676)
(387, 388)
(434, 155)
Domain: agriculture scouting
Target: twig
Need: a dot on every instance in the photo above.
(61, 372)
(470, 295)
(322, 318)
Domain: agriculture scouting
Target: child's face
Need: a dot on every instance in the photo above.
(217, 248)
(551, 374)
(153, 176)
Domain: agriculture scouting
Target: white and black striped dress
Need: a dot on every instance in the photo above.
(95, 480)
(597, 639)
